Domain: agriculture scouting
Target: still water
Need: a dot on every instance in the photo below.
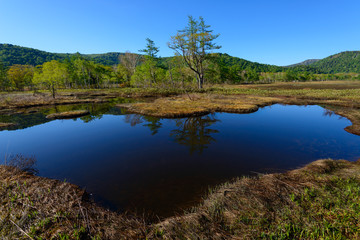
(160, 166)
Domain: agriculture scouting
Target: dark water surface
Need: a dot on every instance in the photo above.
(133, 162)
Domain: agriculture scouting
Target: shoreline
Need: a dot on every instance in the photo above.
(299, 203)
(53, 208)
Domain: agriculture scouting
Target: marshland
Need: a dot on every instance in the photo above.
(195, 145)
(162, 164)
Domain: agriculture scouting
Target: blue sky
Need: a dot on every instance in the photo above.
(274, 32)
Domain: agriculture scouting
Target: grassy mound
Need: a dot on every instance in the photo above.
(69, 114)
(199, 104)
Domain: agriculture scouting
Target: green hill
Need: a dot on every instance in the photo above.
(344, 62)
(305, 63)
(227, 60)
(12, 54)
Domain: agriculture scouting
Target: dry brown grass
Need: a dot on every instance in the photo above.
(72, 96)
(335, 85)
(69, 114)
(199, 104)
(4, 125)
(50, 209)
(247, 208)
(255, 208)
(27, 99)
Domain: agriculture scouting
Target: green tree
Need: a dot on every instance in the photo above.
(151, 61)
(291, 75)
(52, 75)
(5, 83)
(20, 76)
(194, 43)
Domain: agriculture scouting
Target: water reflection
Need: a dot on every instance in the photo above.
(153, 123)
(22, 162)
(130, 162)
(195, 132)
(37, 115)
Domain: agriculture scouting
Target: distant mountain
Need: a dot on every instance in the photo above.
(305, 63)
(228, 60)
(344, 62)
(12, 54)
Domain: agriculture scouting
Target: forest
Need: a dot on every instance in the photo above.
(190, 67)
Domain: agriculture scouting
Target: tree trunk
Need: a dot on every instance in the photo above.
(200, 81)
(53, 91)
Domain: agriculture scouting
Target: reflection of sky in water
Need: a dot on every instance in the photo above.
(137, 162)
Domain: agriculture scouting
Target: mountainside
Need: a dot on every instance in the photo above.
(227, 60)
(344, 62)
(305, 63)
(12, 54)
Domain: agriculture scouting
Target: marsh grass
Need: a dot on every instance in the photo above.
(40, 208)
(319, 201)
(198, 104)
(68, 114)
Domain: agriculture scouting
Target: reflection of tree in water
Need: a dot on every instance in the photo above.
(194, 132)
(153, 123)
(328, 113)
(37, 115)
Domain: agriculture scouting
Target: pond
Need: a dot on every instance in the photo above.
(161, 166)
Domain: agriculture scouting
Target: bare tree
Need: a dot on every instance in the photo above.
(130, 61)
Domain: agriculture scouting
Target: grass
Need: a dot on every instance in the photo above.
(198, 104)
(68, 114)
(342, 97)
(319, 201)
(71, 96)
(38, 208)
(4, 125)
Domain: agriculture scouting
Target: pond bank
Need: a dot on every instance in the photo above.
(321, 199)
(69, 114)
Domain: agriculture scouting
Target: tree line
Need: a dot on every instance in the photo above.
(193, 64)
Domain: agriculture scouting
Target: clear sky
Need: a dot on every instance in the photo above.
(277, 32)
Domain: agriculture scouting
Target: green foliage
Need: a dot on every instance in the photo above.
(331, 212)
(12, 54)
(5, 83)
(195, 43)
(345, 62)
(148, 73)
(150, 50)
(20, 76)
(52, 74)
